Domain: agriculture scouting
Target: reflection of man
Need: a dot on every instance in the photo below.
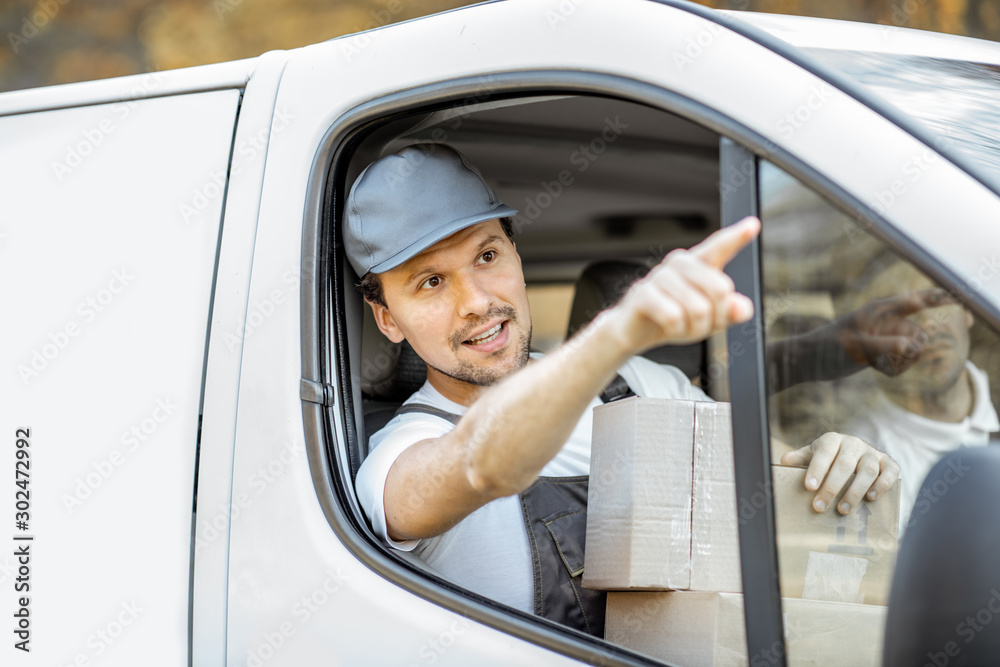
(933, 401)
(455, 477)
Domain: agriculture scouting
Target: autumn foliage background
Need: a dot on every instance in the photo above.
(60, 41)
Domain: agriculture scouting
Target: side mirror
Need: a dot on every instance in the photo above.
(946, 588)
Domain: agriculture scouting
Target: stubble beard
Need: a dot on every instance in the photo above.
(480, 376)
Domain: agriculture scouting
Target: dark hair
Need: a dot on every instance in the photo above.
(371, 285)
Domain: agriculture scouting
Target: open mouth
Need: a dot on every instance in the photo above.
(487, 336)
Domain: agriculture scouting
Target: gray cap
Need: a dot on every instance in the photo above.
(404, 203)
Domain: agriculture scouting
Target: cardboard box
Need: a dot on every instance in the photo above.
(715, 540)
(695, 629)
(831, 556)
(663, 512)
(638, 525)
(661, 509)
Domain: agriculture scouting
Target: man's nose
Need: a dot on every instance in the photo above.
(473, 298)
(927, 319)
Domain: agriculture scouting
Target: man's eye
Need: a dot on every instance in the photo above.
(432, 282)
(488, 256)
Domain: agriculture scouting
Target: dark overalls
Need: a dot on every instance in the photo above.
(555, 517)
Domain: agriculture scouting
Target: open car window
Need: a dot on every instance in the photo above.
(604, 189)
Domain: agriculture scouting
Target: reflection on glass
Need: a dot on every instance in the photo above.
(958, 101)
(937, 404)
(905, 368)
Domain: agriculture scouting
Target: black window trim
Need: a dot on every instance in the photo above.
(752, 452)
(322, 283)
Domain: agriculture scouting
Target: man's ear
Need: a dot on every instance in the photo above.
(386, 324)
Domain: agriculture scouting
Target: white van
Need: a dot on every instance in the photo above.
(189, 381)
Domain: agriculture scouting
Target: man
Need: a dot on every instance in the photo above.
(920, 410)
(455, 480)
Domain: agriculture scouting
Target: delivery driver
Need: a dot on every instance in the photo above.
(496, 444)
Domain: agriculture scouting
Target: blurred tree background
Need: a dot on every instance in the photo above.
(60, 41)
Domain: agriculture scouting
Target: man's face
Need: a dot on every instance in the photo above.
(462, 305)
(946, 346)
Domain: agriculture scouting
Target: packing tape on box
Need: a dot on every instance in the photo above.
(834, 578)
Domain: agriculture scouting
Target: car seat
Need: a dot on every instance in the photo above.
(601, 285)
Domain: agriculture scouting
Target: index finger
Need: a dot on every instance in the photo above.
(917, 300)
(721, 246)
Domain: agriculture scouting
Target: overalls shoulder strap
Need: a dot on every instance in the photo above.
(423, 408)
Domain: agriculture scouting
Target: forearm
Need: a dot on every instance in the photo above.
(813, 357)
(516, 427)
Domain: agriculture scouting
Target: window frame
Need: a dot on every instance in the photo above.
(325, 381)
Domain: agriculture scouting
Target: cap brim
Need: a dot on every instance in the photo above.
(440, 233)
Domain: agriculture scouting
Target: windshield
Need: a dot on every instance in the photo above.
(958, 101)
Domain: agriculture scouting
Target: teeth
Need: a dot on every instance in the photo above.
(487, 336)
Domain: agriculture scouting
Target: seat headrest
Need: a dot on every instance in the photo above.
(600, 286)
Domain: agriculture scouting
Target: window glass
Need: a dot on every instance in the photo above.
(860, 343)
(955, 100)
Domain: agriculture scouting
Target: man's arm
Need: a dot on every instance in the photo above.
(878, 335)
(514, 428)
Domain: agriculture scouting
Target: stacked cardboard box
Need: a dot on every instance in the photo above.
(663, 516)
(707, 630)
(660, 512)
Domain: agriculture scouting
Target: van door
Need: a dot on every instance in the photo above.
(308, 581)
(108, 240)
